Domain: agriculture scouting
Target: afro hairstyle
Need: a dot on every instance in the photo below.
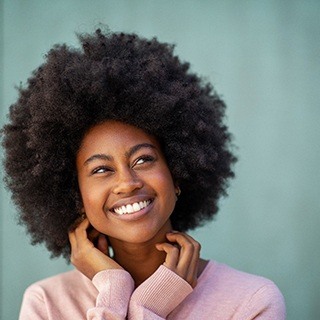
(113, 76)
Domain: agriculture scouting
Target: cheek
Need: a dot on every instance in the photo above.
(91, 198)
(93, 208)
(167, 190)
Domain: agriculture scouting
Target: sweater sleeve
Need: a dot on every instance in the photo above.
(160, 294)
(266, 304)
(154, 299)
(115, 288)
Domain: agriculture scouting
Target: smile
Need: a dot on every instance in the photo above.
(132, 208)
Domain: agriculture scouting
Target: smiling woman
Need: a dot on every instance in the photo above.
(120, 166)
(125, 150)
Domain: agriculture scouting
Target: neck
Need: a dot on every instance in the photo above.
(141, 260)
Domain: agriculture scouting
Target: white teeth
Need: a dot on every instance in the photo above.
(136, 206)
(131, 208)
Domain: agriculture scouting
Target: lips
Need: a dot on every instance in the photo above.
(131, 207)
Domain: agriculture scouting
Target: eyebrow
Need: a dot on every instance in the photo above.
(132, 151)
(98, 157)
(137, 147)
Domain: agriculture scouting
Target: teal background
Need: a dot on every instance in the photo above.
(263, 57)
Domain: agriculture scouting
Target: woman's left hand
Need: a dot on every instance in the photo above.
(183, 253)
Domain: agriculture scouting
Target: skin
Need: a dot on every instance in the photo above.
(119, 164)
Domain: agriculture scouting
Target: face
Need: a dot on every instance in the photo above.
(126, 186)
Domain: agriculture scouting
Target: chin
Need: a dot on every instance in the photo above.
(143, 235)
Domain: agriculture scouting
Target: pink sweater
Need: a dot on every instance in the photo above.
(221, 293)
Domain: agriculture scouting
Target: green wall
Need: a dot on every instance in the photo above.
(263, 56)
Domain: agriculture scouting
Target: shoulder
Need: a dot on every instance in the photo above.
(64, 296)
(73, 275)
(224, 276)
(250, 293)
(67, 282)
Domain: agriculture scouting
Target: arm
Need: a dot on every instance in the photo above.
(160, 294)
(114, 284)
(115, 288)
(154, 299)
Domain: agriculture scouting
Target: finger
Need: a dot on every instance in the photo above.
(189, 256)
(76, 223)
(79, 237)
(186, 247)
(81, 231)
(195, 256)
(186, 254)
(192, 275)
(72, 231)
(172, 256)
(83, 226)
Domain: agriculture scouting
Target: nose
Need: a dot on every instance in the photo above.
(127, 182)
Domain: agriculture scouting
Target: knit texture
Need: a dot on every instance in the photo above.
(221, 293)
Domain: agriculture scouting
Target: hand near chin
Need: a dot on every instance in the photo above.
(183, 254)
(85, 256)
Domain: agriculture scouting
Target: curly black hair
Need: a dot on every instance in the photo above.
(114, 76)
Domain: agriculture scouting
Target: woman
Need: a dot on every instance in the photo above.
(112, 153)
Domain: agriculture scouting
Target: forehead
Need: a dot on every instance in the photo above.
(114, 135)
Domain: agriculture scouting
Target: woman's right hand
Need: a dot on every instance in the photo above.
(86, 257)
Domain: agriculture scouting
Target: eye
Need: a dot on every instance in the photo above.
(144, 159)
(100, 170)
